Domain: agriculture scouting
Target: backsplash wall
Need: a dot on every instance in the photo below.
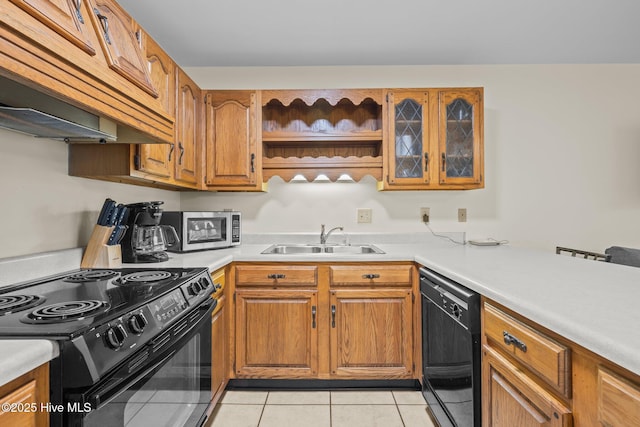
(45, 209)
(562, 144)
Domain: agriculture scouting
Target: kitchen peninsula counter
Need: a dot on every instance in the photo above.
(590, 303)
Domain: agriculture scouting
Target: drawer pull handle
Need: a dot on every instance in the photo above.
(333, 316)
(510, 339)
(370, 276)
(313, 316)
(276, 276)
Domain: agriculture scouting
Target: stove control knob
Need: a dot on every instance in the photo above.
(456, 311)
(136, 323)
(204, 283)
(115, 336)
(193, 289)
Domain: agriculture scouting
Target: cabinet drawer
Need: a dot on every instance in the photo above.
(511, 398)
(549, 359)
(276, 275)
(618, 400)
(367, 275)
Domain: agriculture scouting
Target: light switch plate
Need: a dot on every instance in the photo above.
(364, 215)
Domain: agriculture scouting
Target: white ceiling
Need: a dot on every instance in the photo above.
(399, 32)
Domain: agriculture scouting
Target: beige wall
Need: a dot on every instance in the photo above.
(562, 153)
(42, 208)
(562, 147)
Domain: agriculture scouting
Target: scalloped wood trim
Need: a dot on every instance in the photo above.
(332, 167)
(332, 96)
(332, 174)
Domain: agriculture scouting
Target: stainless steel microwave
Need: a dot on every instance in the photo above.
(204, 230)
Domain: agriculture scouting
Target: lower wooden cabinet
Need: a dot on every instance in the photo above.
(371, 333)
(512, 398)
(295, 321)
(534, 377)
(26, 393)
(219, 349)
(618, 400)
(276, 333)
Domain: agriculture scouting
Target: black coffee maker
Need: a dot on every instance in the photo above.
(146, 240)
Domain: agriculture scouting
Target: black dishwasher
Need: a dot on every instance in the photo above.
(450, 350)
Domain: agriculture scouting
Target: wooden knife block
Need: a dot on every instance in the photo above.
(100, 255)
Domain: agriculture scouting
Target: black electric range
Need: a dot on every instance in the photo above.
(100, 317)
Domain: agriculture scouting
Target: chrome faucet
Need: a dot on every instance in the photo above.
(324, 236)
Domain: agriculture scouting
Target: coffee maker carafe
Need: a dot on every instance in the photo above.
(146, 240)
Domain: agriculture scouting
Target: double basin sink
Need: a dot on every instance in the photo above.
(288, 249)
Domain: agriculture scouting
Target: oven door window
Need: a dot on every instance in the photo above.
(204, 230)
(174, 392)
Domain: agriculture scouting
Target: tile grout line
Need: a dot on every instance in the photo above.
(264, 406)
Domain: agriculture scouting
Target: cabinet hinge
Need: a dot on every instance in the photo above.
(413, 366)
(234, 297)
(136, 161)
(413, 297)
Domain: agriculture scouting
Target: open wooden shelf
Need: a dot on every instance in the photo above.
(332, 136)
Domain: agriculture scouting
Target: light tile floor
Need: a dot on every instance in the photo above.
(321, 409)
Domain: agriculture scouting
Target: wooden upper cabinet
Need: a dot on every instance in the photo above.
(158, 159)
(233, 158)
(66, 17)
(408, 147)
(120, 43)
(188, 130)
(460, 139)
(434, 139)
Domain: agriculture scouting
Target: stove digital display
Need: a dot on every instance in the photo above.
(166, 308)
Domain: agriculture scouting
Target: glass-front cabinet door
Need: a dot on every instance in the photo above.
(460, 140)
(408, 138)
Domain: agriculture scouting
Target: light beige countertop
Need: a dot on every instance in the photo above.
(17, 357)
(593, 304)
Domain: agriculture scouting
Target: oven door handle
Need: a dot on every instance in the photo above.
(105, 395)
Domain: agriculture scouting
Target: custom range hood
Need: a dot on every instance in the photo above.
(31, 112)
(43, 125)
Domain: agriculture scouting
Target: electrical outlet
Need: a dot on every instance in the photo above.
(462, 215)
(364, 215)
(424, 215)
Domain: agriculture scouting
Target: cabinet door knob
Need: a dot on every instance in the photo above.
(313, 316)
(104, 21)
(333, 316)
(181, 148)
(78, 4)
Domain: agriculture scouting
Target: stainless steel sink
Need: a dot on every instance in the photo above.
(316, 249)
(293, 249)
(355, 249)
